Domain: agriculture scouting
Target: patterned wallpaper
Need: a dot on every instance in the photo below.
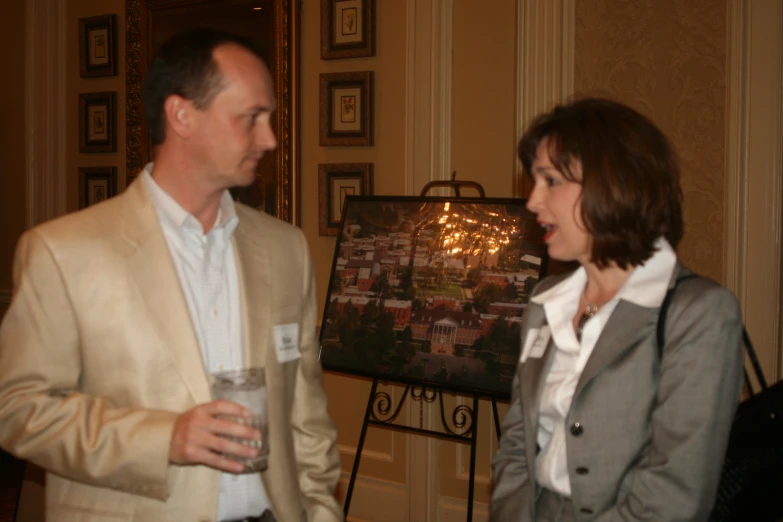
(667, 59)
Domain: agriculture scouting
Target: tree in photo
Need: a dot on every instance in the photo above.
(405, 346)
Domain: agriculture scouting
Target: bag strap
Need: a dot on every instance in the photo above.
(754, 361)
(660, 336)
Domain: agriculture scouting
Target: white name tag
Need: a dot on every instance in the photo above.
(535, 343)
(287, 342)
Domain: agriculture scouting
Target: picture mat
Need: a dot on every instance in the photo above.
(98, 190)
(97, 123)
(342, 187)
(99, 50)
(342, 121)
(348, 22)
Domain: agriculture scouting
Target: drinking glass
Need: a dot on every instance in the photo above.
(247, 388)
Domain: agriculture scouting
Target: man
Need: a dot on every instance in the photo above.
(121, 312)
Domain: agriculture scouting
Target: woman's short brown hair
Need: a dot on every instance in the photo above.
(630, 180)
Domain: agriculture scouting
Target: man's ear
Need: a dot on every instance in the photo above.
(179, 115)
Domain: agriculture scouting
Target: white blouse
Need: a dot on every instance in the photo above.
(646, 286)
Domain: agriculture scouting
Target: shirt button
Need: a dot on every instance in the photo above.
(581, 470)
(576, 429)
(214, 312)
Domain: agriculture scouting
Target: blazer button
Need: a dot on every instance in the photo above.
(576, 429)
(586, 511)
(581, 470)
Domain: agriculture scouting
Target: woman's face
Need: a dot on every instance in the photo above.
(557, 204)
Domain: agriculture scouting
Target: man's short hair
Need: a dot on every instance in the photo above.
(185, 66)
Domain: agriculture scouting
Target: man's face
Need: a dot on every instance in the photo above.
(232, 134)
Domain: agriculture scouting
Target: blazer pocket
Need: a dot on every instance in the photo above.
(65, 513)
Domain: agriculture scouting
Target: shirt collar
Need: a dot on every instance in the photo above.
(178, 218)
(646, 286)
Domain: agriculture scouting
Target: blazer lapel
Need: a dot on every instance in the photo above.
(252, 259)
(625, 326)
(151, 267)
(533, 377)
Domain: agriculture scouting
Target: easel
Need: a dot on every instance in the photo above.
(464, 418)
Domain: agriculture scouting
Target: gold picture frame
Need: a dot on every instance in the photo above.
(346, 109)
(97, 122)
(347, 29)
(337, 181)
(98, 46)
(96, 184)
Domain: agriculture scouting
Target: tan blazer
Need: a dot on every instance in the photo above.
(98, 356)
(645, 438)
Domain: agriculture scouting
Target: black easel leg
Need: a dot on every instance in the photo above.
(359, 447)
(473, 437)
(497, 417)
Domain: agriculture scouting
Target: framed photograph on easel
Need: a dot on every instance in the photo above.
(431, 290)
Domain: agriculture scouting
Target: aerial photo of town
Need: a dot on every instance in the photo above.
(431, 291)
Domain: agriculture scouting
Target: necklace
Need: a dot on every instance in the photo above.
(590, 310)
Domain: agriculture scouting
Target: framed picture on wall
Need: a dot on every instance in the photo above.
(98, 46)
(96, 184)
(98, 122)
(347, 29)
(346, 109)
(337, 181)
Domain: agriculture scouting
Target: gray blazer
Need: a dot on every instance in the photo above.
(646, 437)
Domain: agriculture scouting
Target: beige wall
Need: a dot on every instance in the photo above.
(483, 94)
(12, 117)
(75, 85)
(12, 138)
(667, 59)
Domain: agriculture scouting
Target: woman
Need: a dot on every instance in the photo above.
(602, 426)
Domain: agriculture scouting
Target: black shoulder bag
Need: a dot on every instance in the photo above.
(751, 482)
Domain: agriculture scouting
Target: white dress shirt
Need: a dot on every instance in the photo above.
(208, 275)
(646, 286)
